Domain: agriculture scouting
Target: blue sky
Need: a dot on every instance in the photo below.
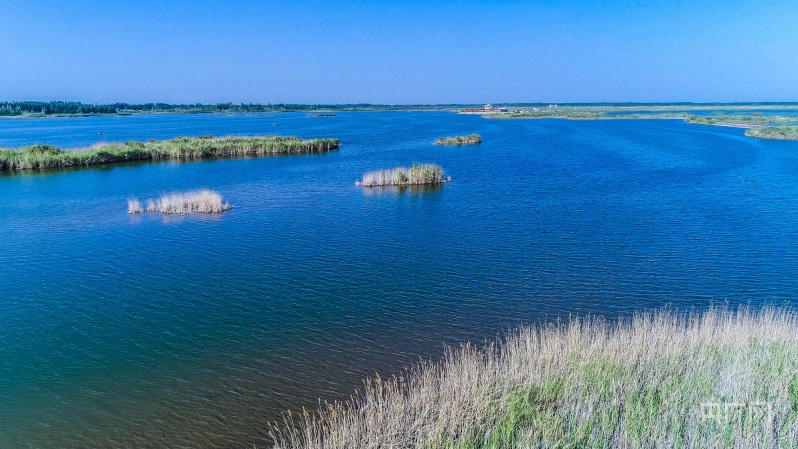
(399, 52)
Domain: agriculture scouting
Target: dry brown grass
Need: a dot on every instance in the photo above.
(637, 383)
(182, 203)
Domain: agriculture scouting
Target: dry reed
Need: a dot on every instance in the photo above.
(417, 174)
(182, 203)
(720, 379)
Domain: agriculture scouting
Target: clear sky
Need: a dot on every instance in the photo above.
(336, 51)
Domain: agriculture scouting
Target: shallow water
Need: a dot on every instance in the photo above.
(153, 331)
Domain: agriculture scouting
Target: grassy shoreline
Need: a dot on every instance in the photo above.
(42, 109)
(667, 379)
(782, 132)
(756, 124)
(46, 156)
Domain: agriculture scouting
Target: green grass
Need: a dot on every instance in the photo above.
(641, 382)
(46, 156)
(752, 120)
(417, 174)
(782, 132)
(562, 112)
(471, 139)
(589, 113)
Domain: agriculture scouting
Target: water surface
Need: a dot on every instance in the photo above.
(153, 331)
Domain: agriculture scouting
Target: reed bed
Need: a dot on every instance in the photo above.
(719, 379)
(47, 156)
(417, 174)
(471, 139)
(202, 201)
(782, 132)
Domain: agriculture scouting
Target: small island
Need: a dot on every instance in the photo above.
(47, 156)
(201, 201)
(417, 174)
(320, 115)
(471, 139)
(783, 132)
(740, 120)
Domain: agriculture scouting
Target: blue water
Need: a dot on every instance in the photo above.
(153, 331)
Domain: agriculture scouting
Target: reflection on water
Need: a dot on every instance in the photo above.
(145, 217)
(402, 190)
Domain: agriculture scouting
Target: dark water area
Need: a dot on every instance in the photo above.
(154, 331)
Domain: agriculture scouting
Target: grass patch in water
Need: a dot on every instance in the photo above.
(471, 139)
(47, 156)
(202, 201)
(417, 174)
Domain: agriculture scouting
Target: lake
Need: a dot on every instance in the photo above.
(154, 331)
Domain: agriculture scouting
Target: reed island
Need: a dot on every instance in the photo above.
(181, 148)
(417, 174)
(471, 139)
(201, 201)
(718, 379)
(782, 132)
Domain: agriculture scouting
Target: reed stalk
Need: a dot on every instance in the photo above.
(719, 379)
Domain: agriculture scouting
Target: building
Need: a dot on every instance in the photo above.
(487, 109)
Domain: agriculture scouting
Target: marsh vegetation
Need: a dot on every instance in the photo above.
(203, 201)
(717, 379)
(782, 132)
(47, 156)
(740, 120)
(417, 174)
(471, 139)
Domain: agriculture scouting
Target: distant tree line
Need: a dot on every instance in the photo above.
(11, 108)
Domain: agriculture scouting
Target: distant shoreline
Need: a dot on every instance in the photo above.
(60, 109)
(729, 115)
(755, 121)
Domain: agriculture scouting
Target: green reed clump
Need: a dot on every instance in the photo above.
(46, 156)
(471, 139)
(783, 132)
(719, 379)
(417, 174)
